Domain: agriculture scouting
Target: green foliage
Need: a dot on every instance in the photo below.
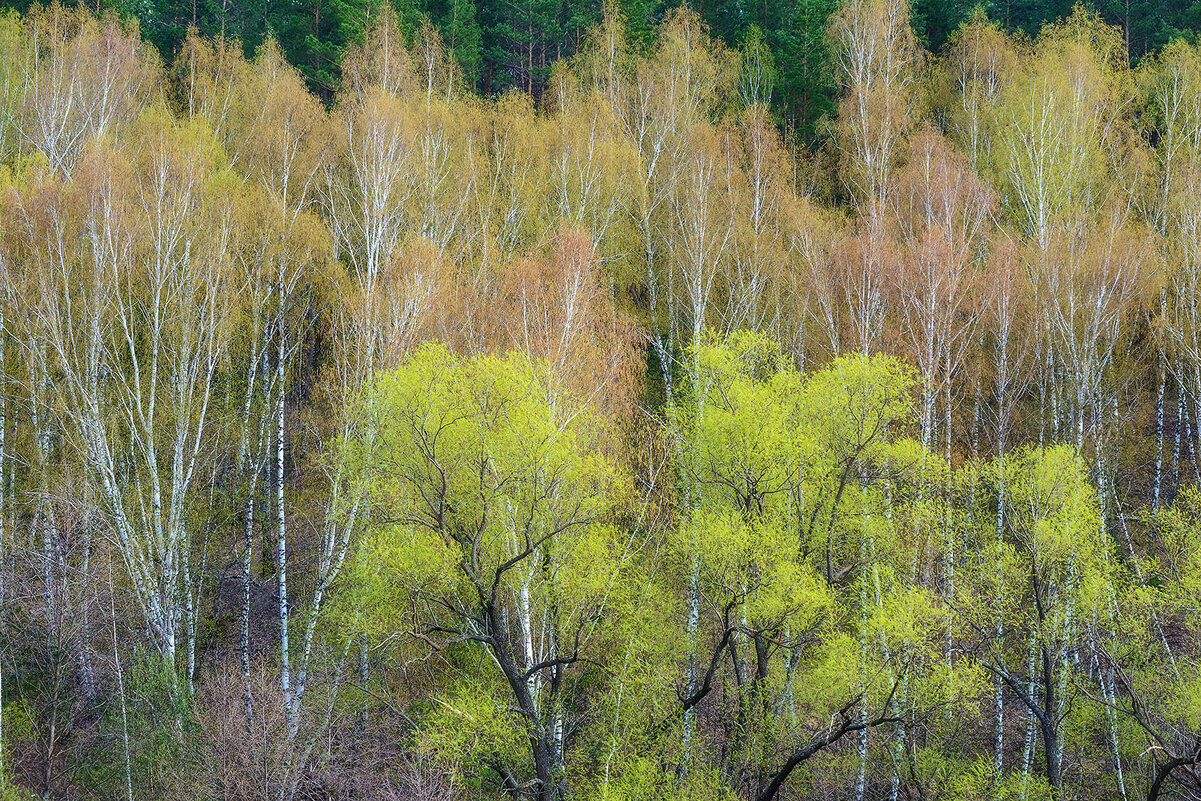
(496, 502)
(13, 792)
(568, 567)
(793, 479)
(507, 469)
(17, 727)
(978, 781)
(471, 725)
(157, 720)
(644, 778)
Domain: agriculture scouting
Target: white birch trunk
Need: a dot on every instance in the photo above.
(527, 640)
(1159, 397)
(861, 739)
(285, 663)
(694, 613)
(1028, 742)
(1179, 429)
(253, 469)
(948, 526)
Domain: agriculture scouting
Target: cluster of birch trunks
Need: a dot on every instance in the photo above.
(606, 444)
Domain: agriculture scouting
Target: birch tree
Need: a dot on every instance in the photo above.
(130, 299)
(83, 78)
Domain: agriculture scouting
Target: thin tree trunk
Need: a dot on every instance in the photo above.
(252, 467)
(120, 689)
(899, 730)
(1028, 742)
(694, 599)
(1111, 698)
(81, 644)
(189, 620)
(861, 741)
(1179, 429)
(244, 627)
(1043, 406)
(285, 664)
(948, 528)
(1159, 416)
(694, 610)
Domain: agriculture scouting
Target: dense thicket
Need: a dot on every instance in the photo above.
(431, 447)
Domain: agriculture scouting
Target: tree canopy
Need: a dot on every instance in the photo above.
(531, 402)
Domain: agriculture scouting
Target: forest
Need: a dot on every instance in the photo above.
(602, 441)
(502, 44)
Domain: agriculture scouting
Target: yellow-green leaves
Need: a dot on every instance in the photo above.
(788, 481)
(757, 565)
(489, 545)
(1053, 509)
(471, 450)
(392, 561)
(1058, 124)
